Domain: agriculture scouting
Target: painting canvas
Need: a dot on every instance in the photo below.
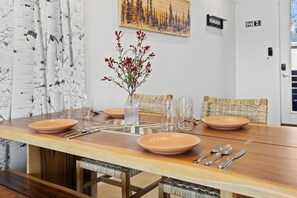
(164, 16)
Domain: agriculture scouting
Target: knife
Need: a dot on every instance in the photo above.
(228, 161)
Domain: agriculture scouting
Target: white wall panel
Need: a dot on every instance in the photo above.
(203, 64)
(257, 75)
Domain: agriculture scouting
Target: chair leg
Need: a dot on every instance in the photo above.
(79, 178)
(126, 191)
(162, 194)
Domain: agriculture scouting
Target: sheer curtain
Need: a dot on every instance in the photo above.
(41, 56)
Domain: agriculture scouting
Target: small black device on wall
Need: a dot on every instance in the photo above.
(270, 51)
(215, 21)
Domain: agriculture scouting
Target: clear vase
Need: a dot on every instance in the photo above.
(131, 112)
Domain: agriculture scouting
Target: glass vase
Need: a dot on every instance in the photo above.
(131, 112)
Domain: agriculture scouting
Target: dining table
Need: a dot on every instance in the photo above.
(268, 168)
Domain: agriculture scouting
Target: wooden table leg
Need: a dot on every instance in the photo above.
(227, 194)
(52, 166)
(33, 161)
(58, 167)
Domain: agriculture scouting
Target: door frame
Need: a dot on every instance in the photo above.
(287, 116)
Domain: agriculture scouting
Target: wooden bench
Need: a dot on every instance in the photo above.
(19, 185)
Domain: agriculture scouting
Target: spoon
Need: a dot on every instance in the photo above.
(213, 150)
(222, 151)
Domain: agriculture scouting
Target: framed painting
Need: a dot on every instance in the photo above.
(164, 16)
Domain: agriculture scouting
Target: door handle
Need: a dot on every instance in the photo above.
(285, 75)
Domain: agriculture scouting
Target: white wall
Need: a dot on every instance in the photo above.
(203, 64)
(257, 76)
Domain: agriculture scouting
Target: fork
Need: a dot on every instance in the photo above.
(89, 131)
(73, 132)
(215, 149)
(70, 132)
(82, 133)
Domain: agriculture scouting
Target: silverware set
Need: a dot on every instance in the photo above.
(85, 131)
(91, 130)
(219, 151)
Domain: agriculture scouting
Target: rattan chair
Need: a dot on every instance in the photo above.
(169, 186)
(147, 104)
(253, 109)
(151, 103)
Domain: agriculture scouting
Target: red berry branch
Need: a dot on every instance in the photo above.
(133, 66)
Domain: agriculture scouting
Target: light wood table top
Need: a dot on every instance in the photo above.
(257, 133)
(268, 169)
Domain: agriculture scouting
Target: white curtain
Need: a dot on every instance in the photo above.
(41, 56)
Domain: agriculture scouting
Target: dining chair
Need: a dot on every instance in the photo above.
(253, 109)
(108, 171)
(151, 103)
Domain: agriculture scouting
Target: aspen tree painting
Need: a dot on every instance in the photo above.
(164, 16)
(41, 57)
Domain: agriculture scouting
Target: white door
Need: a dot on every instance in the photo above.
(288, 60)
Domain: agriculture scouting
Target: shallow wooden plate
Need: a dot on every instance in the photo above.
(168, 143)
(225, 122)
(115, 112)
(53, 125)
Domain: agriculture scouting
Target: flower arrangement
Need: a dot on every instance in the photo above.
(133, 65)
